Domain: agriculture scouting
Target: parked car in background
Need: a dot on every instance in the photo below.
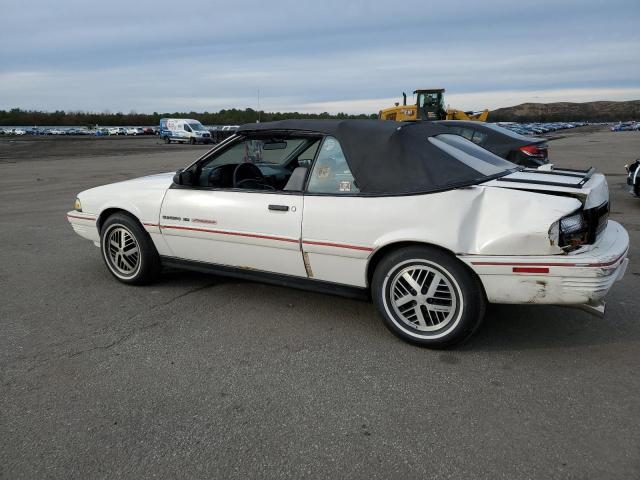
(148, 131)
(183, 130)
(134, 131)
(624, 127)
(428, 224)
(220, 133)
(77, 131)
(633, 178)
(519, 149)
(539, 128)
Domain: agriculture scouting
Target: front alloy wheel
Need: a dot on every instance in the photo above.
(128, 251)
(123, 251)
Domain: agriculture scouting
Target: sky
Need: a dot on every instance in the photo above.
(350, 56)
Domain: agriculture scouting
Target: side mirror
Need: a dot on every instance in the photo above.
(183, 177)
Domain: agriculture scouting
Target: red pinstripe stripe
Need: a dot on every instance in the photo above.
(530, 264)
(525, 264)
(338, 245)
(150, 224)
(237, 234)
(81, 218)
(267, 237)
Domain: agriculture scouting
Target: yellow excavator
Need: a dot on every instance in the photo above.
(429, 106)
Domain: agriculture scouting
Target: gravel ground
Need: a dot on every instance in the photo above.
(207, 377)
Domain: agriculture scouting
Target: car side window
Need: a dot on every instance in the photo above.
(478, 137)
(331, 173)
(269, 157)
(467, 133)
(305, 159)
(186, 127)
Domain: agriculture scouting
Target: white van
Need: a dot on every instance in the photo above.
(183, 130)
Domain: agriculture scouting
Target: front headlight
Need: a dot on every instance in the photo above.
(77, 206)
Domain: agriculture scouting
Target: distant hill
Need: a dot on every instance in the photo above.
(601, 111)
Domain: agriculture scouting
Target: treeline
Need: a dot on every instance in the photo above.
(19, 117)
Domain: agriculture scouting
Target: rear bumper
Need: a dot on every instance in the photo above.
(573, 279)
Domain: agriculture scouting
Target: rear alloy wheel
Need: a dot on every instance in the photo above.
(428, 297)
(128, 251)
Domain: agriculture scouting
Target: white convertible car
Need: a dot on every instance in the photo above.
(426, 223)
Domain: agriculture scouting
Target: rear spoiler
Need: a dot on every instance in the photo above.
(585, 175)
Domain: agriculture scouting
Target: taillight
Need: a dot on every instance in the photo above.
(570, 232)
(534, 150)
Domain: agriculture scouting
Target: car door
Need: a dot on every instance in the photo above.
(336, 241)
(186, 131)
(252, 229)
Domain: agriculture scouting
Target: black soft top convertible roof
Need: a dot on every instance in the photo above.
(386, 157)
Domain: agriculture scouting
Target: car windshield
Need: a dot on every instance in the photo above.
(473, 156)
(253, 150)
(197, 126)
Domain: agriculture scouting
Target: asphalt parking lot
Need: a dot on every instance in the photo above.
(207, 377)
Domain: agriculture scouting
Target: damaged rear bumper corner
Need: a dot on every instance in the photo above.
(581, 279)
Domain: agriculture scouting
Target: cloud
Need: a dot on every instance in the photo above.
(312, 55)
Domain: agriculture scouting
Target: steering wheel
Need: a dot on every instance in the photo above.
(252, 176)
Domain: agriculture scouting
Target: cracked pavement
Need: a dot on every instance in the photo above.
(208, 377)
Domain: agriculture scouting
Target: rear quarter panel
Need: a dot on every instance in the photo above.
(472, 221)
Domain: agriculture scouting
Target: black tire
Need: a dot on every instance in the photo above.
(192, 141)
(119, 236)
(167, 140)
(443, 318)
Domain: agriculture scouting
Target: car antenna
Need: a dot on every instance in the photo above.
(258, 121)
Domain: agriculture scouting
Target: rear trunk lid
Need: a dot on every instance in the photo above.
(585, 185)
(588, 187)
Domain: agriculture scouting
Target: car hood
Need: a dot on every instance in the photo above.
(591, 191)
(160, 180)
(141, 197)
